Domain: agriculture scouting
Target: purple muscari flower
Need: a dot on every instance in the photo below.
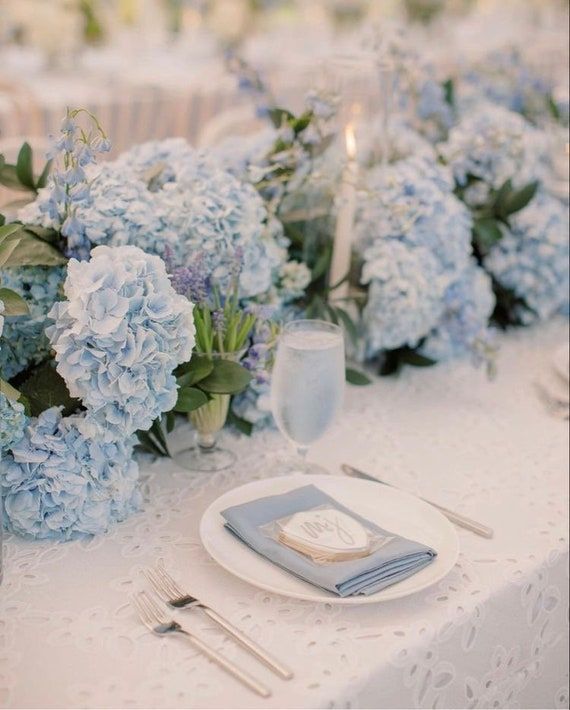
(237, 262)
(191, 281)
(219, 321)
(180, 279)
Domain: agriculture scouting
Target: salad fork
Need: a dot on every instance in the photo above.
(170, 592)
(154, 619)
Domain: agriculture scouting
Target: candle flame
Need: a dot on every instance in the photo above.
(350, 139)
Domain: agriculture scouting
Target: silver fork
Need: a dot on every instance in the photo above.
(170, 592)
(154, 619)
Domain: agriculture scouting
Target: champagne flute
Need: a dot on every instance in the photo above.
(307, 384)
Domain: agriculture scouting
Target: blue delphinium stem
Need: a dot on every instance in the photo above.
(69, 183)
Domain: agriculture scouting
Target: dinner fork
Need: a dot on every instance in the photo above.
(154, 619)
(170, 592)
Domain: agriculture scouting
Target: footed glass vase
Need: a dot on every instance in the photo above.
(208, 420)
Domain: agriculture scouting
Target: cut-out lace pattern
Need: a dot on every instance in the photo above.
(493, 633)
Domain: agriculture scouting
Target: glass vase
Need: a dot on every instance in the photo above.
(208, 420)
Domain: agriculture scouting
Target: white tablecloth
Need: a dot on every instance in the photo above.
(493, 633)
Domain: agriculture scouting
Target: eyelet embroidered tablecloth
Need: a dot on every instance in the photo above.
(493, 633)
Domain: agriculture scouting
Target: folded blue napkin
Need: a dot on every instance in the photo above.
(392, 562)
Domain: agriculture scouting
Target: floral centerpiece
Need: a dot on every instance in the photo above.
(101, 356)
(206, 383)
(148, 290)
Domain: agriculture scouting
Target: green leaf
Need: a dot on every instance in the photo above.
(501, 195)
(553, 108)
(170, 421)
(9, 391)
(149, 444)
(322, 264)
(14, 304)
(389, 363)
(240, 424)
(7, 248)
(32, 251)
(348, 323)
(42, 180)
(189, 399)
(194, 371)
(24, 167)
(9, 178)
(518, 199)
(414, 358)
(7, 230)
(156, 429)
(449, 92)
(299, 124)
(278, 116)
(45, 388)
(46, 234)
(487, 233)
(227, 377)
(355, 377)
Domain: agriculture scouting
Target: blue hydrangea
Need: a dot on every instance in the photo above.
(165, 193)
(504, 79)
(59, 482)
(402, 142)
(493, 145)
(418, 97)
(532, 258)
(119, 336)
(293, 279)
(463, 326)
(12, 422)
(254, 405)
(237, 153)
(414, 237)
(24, 341)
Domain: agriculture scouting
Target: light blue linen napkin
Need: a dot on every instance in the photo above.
(396, 560)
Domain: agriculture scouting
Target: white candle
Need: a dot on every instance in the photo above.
(342, 247)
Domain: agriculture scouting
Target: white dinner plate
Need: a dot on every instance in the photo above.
(390, 508)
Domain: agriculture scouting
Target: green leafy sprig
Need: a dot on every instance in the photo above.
(20, 175)
(489, 222)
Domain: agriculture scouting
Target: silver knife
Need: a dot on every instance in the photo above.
(456, 518)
